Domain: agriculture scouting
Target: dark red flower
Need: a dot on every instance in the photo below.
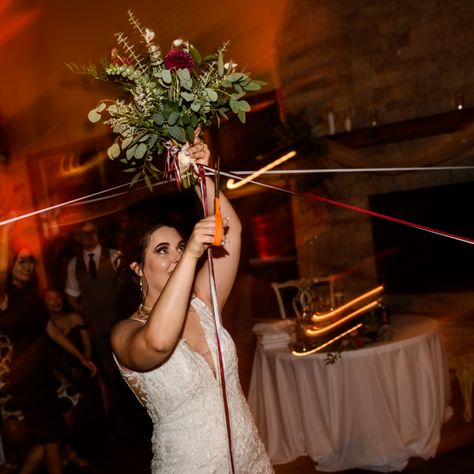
(179, 59)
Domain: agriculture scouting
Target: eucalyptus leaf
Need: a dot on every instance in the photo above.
(190, 134)
(177, 133)
(153, 140)
(235, 77)
(244, 106)
(144, 137)
(238, 88)
(129, 170)
(131, 152)
(173, 118)
(183, 74)
(194, 121)
(166, 76)
(126, 142)
(187, 96)
(252, 86)
(211, 57)
(148, 182)
(195, 54)
(113, 151)
(94, 116)
(241, 116)
(135, 179)
(153, 168)
(212, 94)
(158, 119)
(140, 151)
(234, 105)
(237, 96)
(195, 106)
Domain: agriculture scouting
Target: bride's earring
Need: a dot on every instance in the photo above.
(141, 286)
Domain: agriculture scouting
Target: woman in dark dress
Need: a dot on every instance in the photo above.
(28, 401)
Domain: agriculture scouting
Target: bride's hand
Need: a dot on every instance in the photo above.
(198, 151)
(202, 237)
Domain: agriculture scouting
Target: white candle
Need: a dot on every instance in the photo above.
(348, 122)
(331, 123)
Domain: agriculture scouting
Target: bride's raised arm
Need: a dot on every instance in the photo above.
(227, 256)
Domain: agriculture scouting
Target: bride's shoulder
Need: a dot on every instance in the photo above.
(128, 324)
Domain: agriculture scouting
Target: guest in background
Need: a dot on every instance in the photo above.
(29, 403)
(92, 290)
(77, 387)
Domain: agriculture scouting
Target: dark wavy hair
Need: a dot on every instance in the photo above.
(135, 243)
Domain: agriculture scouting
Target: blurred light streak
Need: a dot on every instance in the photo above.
(355, 170)
(14, 21)
(79, 200)
(231, 184)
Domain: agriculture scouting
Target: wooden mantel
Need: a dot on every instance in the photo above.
(421, 127)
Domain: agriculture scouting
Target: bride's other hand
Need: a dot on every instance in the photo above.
(199, 151)
(202, 237)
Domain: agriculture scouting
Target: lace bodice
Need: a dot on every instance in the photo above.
(183, 398)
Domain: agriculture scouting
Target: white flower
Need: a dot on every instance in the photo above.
(230, 66)
(178, 42)
(149, 35)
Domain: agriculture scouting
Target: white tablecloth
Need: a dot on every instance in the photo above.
(373, 409)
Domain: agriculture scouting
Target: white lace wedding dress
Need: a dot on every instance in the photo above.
(183, 398)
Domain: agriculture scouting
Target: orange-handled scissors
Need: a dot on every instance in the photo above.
(217, 205)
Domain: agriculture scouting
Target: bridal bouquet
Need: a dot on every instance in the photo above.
(165, 98)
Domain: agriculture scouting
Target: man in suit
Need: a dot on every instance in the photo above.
(92, 289)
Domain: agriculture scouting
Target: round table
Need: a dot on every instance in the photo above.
(374, 408)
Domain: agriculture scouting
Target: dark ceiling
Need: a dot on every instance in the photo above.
(43, 106)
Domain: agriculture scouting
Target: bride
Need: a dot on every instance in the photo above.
(167, 350)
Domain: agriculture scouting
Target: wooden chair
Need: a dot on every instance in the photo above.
(316, 292)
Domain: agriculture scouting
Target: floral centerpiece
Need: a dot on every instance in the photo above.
(165, 99)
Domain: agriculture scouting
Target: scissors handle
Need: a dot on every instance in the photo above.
(217, 207)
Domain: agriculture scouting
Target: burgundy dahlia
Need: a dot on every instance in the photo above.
(179, 59)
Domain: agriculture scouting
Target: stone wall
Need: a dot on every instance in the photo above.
(384, 60)
(379, 62)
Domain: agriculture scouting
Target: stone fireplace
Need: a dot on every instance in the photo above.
(383, 84)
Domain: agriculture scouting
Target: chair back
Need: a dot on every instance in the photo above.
(315, 294)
